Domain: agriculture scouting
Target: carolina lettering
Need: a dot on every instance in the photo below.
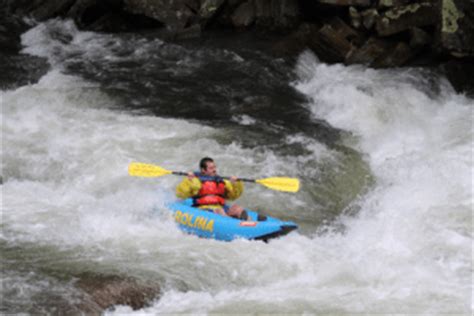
(198, 222)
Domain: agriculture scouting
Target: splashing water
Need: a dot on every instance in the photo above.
(406, 243)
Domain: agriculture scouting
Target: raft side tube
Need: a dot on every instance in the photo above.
(210, 225)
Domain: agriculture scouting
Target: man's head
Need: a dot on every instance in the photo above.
(208, 167)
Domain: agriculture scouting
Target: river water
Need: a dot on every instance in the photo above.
(384, 156)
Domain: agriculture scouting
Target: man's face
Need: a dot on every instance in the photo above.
(211, 169)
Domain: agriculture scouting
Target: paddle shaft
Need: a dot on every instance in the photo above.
(179, 173)
(284, 184)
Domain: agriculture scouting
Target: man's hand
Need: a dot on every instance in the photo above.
(233, 179)
(191, 176)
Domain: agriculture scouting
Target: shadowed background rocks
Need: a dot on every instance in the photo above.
(376, 33)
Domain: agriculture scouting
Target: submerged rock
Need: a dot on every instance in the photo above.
(105, 291)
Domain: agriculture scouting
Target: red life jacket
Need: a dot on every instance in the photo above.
(212, 191)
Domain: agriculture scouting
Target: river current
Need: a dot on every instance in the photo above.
(384, 156)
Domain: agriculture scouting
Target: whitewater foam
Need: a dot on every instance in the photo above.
(408, 249)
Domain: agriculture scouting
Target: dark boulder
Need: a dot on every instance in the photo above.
(393, 3)
(396, 57)
(278, 15)
(335, 41)
(175, 14)
(86, 12)
(108, 16)
(244, 15)
(295, 43)
(209, 8)
(457, 27)
(403, 18)
(419, 38)
(460, 73)
(20, 69)
(193, 31)
(355, 17)
(365, 18)
(369, 17)
(370, 52)
(11, 26)
(16, 69)
(347, 3)
(104, 291)
(381, 53)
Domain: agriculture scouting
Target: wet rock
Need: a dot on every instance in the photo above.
(381, 53)
(175, 14)
(105, 291)
(419, 38)
(18, 70)
(347, 3)
(457, 27)
(50, 9)
(396, 57)
(10, 29)
(193, 31)
(369, 17)
(86, 12)
(356, 18)
(405, 17)
(460, 73)
(244, 15)
(296, 42)
(372, 50)
(222, 16)
(209, 8)
(277, 14)
(335, 41)
(393, 3)
(122, 22)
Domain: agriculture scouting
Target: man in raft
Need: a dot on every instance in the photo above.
(209, 191)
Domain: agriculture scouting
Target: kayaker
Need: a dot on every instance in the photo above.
(210, 192)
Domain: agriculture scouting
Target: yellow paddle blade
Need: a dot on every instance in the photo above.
(139, 169)
(281, 184)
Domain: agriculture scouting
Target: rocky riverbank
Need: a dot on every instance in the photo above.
(377, 33)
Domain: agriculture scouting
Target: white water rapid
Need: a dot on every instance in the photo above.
(68, 202)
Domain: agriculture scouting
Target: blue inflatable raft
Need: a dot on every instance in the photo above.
(209, 225)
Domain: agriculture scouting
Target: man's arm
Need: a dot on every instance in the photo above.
(189, 187)
(233, 188)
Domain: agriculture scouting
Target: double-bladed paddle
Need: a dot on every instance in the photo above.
(139, 169)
